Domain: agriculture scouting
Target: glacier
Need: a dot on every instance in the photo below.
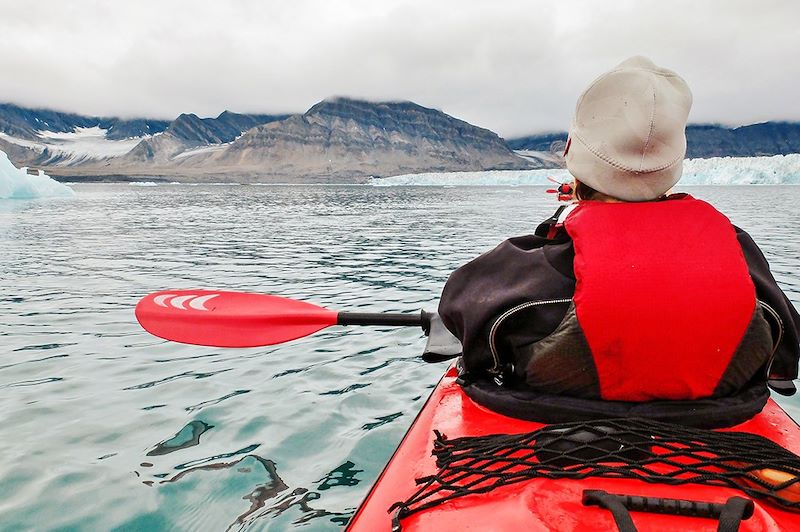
(77, 146)
(16, 183)
(773, 170)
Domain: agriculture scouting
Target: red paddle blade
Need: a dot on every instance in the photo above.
(229, 319)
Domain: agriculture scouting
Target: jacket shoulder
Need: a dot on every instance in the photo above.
(520, 269)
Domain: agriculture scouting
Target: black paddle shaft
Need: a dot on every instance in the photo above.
(422, 319)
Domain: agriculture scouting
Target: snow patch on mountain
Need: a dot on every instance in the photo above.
(202, 149)
(79, 145)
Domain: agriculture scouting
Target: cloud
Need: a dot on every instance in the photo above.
(512, 66)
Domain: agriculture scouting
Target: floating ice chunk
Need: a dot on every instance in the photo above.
(15, 183)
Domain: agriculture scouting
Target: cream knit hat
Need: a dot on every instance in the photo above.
(628, 137)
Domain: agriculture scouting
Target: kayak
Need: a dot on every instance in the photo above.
(541, 503)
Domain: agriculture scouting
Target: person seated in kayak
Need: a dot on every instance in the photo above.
(629, 294)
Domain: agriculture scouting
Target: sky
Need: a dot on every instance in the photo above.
(515, 67)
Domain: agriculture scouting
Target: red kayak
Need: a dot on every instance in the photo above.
(545, 503)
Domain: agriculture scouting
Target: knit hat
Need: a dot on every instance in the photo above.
(628, 137)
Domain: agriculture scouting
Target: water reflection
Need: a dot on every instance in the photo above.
(262, 473)
(344, 475)
(300, 500)
(243, 450)
(188, 436)
(381, 420)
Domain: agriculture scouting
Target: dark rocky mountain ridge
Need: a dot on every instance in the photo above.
(224, 128)
(25, 123)
(190, 131)
(704, 140)
(161, 139)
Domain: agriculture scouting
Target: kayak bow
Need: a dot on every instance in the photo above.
(566, 504)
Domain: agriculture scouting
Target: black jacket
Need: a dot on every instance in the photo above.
(535, 267)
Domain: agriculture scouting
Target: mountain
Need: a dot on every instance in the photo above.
(768, 138)
(27, 123)
(544, 142)
(56, 140)
(704, 140)
(339, 139)
(225, 128)
(353, 139)
(189, 131)
(336, 140)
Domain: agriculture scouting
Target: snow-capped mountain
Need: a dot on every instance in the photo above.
(338, 139)
(53, 139)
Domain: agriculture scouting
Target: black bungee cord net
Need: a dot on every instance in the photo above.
(639, 449)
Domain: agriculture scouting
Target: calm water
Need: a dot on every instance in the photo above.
(105, 427)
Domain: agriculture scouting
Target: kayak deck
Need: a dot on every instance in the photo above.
(541, 503)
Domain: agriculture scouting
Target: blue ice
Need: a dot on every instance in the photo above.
(15, 183)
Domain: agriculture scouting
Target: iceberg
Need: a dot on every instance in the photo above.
(16, 183)
(772, 170)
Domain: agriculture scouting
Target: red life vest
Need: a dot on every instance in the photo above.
(663, 296)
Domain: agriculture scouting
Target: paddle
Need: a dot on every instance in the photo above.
(239, 319)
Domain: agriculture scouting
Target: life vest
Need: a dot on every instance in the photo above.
(664, 301)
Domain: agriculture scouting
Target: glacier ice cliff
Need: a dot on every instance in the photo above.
(774, 170)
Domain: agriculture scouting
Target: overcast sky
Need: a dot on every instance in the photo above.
(515, 67)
